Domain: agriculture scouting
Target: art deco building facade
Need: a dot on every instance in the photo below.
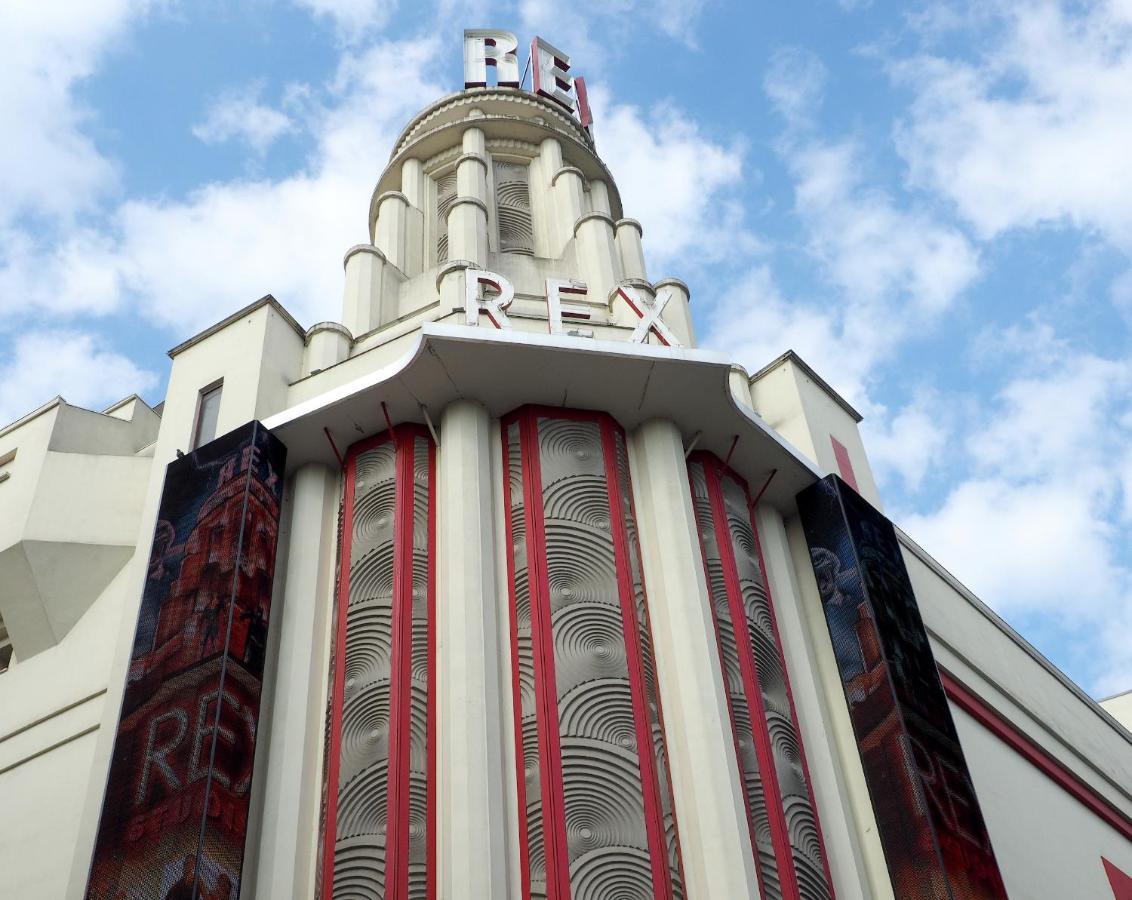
(501, 587)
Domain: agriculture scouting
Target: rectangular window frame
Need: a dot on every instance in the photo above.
(216, 387)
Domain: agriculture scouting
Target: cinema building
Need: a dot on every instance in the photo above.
(502, 587)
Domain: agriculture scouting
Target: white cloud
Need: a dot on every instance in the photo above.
(754, 323)
(897, 271)
(910, 443)
(79, 366)
(682, 185)
(1034, 130)
(1025, 547)
(591, 30)
(187, 263)
(49, 168)
(352, 19)
(794, 84)
(874, 248)
(238, 114)
(1038, 526)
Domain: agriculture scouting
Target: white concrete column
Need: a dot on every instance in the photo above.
(327, 344)
(849, 839)
(677, 314)
(628, 234)
(714, 837)
(413, 187)
(292, 774)
(467, 216)
(598, 259)
(472, 816)
(389, 230)
(363, 295)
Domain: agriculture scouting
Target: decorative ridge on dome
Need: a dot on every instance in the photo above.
(473, 96)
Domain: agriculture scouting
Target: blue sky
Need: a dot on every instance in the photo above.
(932, 203)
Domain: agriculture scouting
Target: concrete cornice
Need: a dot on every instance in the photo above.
(674, 282)
(34, 414)
(629, 223)
(363, 248)
(564, 170)
(592, 217)
(474, 96)
(265, 300)
(791, 356)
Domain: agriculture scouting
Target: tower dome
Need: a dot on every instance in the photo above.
(504, 181)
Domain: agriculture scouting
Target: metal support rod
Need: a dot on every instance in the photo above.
(526, 69)
(389, 423)
(734, 441)
(762, 490)
(431, 427)
(334, 447)
(692, 444)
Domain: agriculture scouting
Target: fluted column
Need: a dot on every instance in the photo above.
(467, 220)
(364, 298)
(472, 812)
(291, 785)
(327, 344)
(467, 216)
(714, 836)
(389, 230)
(628, 234)
(598, 259)
(677, 314)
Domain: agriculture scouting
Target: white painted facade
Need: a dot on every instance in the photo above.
(78, 510)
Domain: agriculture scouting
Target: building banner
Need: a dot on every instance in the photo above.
(935, 842)
(174, 817)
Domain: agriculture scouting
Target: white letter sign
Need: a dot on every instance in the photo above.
(555, 288)
(485, 47)
(493, 307)
(650, 316)
(550, 67)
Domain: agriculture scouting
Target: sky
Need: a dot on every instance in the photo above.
(930, 202)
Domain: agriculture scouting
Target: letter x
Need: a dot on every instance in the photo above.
(650, 316)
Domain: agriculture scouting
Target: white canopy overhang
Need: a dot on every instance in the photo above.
(504, 369)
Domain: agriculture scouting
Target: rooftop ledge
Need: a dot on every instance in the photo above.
(504, 370)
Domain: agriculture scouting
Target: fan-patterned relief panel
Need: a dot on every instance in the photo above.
(784, 826)
(513, 207)
(380, 807)
(597, 812)
(445, 196)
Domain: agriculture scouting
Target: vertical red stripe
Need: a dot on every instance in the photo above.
(790, 695)
(516, 688)
(702, 461)
(844, 464)
(334, 748)
(550, 750)
(667, 774)
(776, 815)
(430, 853)
(400, 699)
(654, 821)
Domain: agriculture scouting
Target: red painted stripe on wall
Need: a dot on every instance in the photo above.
(1025, 746)
(844, 464)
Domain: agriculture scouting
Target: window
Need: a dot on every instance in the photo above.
(6, 458)
(208, 411)
(5, 647)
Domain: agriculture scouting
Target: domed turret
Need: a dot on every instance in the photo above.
(504, 181)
